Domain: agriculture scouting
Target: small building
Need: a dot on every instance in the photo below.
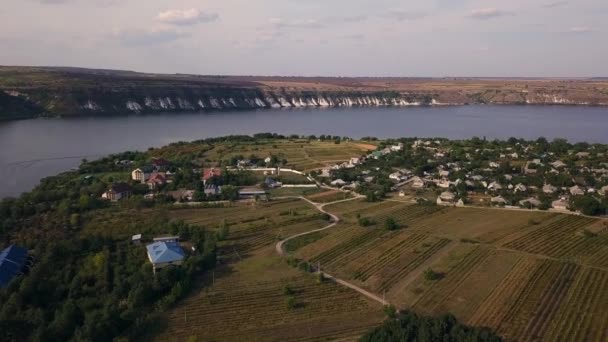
(141, 174)
(136, 239)
(165, 253)
(520, 188)
(212, 190)
(117, 192)
(338, 182)
(558, 164)
(498, 200)
(251, 192)
(560, 204)
(603, 190)
(418, 183)
(530, 202)
(156, 180)
(168, 238)
(210, 173)
(494, 186)
(14, 261)
(549, 189)
(576, 191)
(182, 195)
(446, 198)
(272, 183)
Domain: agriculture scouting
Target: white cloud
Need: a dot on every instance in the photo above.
(489, 13)
(404, 15)
(555, 4)
(300, 23)
(186, 17)
(580, 29)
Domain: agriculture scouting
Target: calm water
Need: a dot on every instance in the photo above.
(32, 149)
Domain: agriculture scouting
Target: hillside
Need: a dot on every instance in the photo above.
(63, 91)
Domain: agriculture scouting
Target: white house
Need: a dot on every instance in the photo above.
(446, 198)
(417, 182)
(520, 188)
(141, 175)
(549, 189)
(560, 204)
(576, 191)
(338, 182)
(494, 186)
(395, 176)
(530, 202)
(498, 200)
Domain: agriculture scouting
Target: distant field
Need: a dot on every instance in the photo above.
(529, 275)
(300, 154)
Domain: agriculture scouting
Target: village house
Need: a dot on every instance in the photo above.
(354, 161)
(520, 188)
(582, 154)
(396, 148)
(396, 176)
(576, 191)
(326, 172)
(117, 192)
(560, 204)
(182, 195)
(603, 191)
(495, 186)
(164, 252)
(418, 183)
(558, 164)
(442, 183)
(267, 160)
(136, 239)
(210, 173)
(338, 182)
(141, 174)
(446, 198)
(499, 200)
(549, 189)
(530, 202)
(247, 193)
(444, 173)
(156, 180)
(272, 183)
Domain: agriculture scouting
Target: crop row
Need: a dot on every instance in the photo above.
(400, 270)
(493, 309)
(443, 288)
(348, 246)
(389, 255)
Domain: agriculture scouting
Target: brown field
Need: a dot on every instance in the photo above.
(529, 275)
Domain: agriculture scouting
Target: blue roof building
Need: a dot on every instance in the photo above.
(165, 253)
(12, 263)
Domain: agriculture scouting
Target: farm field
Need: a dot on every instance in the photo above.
(300, 154)
(245, 297)
(530, 275)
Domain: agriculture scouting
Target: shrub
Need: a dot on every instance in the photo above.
(365, 222)
(390, 224)
(431, 275)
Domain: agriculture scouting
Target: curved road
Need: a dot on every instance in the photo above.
(320, 206)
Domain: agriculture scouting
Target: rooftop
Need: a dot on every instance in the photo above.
(164, 252)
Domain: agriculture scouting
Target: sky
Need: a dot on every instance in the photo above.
(433, 38)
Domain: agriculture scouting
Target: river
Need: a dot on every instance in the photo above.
(33, 149)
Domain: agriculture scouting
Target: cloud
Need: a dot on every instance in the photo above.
(147, 37)
(580, 29)
(190, 16)
(296, 24)
(489, 13)
(555, 4)
(404, 15)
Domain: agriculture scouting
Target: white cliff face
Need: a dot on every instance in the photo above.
(133, 106)
(270, 100)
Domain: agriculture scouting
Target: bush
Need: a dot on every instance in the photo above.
(390, 311)
(390, 224)
(291, 303)
(431, 275)
(365, 222)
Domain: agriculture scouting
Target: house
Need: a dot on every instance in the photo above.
(560, 204)
(212, 190)
(498, 200)
(326, 172)
(417, 182)
(272, 183)
(396, 148)
(582, 154)
(117, 192)
(182, 195)
(604, 190)
(160, 164)
(354, 161)
(165, 253)
(460, 203)
(494, 165)
(530, 202)
(494, 186)
(395, 176)
(267, 160)
(558, 164)
(251, 193)
(376, 154)
(156, 180)
(549, 189)
(210, 173)
(446, 198)
(576, 191)
(243, 163)
(14, 261)
(444, 173)
(520, 188)
(401, 193)
(136, 239)
(338, 182)
(141, 174)
(443, 183)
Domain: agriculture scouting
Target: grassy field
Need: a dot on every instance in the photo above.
(245, 298)
(300, 154)
(529, 275)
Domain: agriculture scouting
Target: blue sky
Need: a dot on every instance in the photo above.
(312, 37)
